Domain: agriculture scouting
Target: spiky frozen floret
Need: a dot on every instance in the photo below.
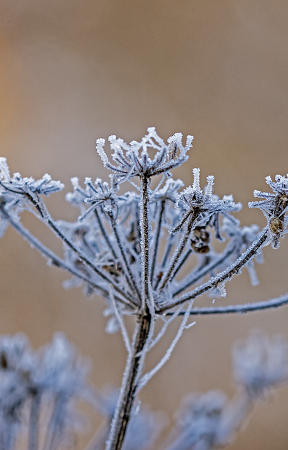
(206, 206)
(17, 193)
(19, 185)
(274, 208)
(260, 363)
(133, 159)
(199, 421)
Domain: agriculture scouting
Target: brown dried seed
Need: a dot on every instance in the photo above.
(276, 225)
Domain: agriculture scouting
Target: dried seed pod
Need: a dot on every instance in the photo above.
(200, 248)
(276, 225)
(200, 240)
(282, 203)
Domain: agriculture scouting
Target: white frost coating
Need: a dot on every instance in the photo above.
(4, 169)
(101, 152)
(196, 182)
(209, 187)
(222, 289)
(120, 321)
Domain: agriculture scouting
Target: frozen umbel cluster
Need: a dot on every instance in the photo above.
(133, 248)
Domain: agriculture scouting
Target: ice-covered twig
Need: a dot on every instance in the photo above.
(240, 309)
(120, 322)
(223, 276)
(167, 322)
(144, 380)
(55, 259)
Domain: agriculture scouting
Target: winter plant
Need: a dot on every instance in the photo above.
(133, 248)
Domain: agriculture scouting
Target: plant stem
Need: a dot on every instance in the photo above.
(144, 227)
(131, 378)
(128, 274)
(34, 419)
(56, 260)
(167, 277)
(240, 308)
(156, 243)
(104, 234)
(223, 276)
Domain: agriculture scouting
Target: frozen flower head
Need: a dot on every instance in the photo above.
(15, 354)
(24, 186)
(274, 207)
(205, 207)
(260, 363)
(61, 369)
(136, 159)
(198, 420)
(201, 407)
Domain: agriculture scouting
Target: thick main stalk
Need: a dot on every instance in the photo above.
(130, 382)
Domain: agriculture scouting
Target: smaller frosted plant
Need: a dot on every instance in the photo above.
(49, 380)
(132, 248)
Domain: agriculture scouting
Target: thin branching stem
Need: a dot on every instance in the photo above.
(120, 322)
(157, 236)
(55, 424)
(128, 274)
(34, 422)
(144, 380)
(223, 276)
(240, 308)
(181, 263)
(41, 208)
(198, 274)
(57, 261)
(169, 273)
(104, 234)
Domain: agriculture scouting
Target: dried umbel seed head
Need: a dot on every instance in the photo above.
(276, 225)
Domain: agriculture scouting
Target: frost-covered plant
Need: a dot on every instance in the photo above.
(49, 380)
(132, 247)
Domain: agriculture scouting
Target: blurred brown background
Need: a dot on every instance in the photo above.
(72, 71)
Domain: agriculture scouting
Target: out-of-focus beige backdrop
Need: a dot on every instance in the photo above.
(72, 71)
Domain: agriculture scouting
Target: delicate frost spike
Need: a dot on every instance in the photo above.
(4, 169)
(196, 181)
(101, 152)
(189, 141)
(222, 289)
(209, 187)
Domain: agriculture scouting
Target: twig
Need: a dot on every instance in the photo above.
(120, 322)
(240, 309)
(169, 273)
(222, 277)
(144, 380)
(56, 260)
(156, 243)
(128, 274)
(196, 276)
